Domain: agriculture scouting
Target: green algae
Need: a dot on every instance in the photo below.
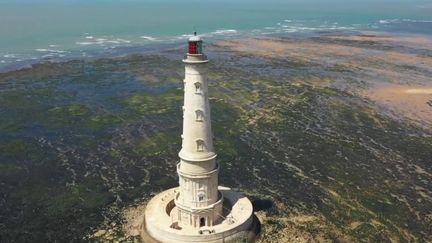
(364, 206)
(70, 115)
(71, 110)
(74, 114)
(9, 125)
(159, 144)
(19, 149)
(8, 169)
(101, 120)
(228, 127)
(146, 104)
(115, 153)
(88, 195)
(88, 142)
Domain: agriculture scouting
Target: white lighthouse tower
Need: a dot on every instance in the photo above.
(198, 200)
(198, 210)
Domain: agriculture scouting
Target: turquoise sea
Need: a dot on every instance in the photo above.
(31, 30)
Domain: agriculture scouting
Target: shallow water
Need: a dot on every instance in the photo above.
(46, 29)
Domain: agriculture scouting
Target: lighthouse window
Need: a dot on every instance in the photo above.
(201, 197)
(198, 88)
(200, 145)
(199, 115)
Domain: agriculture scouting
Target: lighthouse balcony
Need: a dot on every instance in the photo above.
(195, 58)
(204, 174)
(196, 156)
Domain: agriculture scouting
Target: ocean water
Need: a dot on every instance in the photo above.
(31, 30)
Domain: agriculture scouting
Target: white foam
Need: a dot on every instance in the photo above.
(9, 56)
(89, 37)
(52, 46)
(124, 40)
(84, 43)
(49, 50)
(110, 42)
(384, 22)
(48, 55)
(2, 61)
(417, 21)
(149, 38)
(339, 28)
(102, 41)
(390, 21)
(53, 55)
(184, 36)
(293, 28)
(224, 32)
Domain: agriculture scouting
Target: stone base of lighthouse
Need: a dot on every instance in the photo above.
(237, 223)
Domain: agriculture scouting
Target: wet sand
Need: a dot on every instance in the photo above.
(393, 71)
(414, 103)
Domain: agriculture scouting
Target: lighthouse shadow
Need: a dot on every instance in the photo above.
(260, 205)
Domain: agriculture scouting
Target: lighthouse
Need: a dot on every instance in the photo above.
(198, 200)
(198, 210)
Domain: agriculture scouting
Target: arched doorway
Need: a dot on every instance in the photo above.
(202, 222)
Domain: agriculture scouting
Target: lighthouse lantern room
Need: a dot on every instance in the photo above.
(195, 45)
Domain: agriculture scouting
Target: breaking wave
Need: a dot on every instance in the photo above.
(49, 50)
(397, 21)
(90, 40)
(93, 45)
(224, 32)
(149, 38)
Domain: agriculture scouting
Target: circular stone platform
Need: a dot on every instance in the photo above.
(238, 225)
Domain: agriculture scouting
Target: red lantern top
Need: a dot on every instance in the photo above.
(195, 53)
(195, 45)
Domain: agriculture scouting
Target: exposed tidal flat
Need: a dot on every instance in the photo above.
(304, 126)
